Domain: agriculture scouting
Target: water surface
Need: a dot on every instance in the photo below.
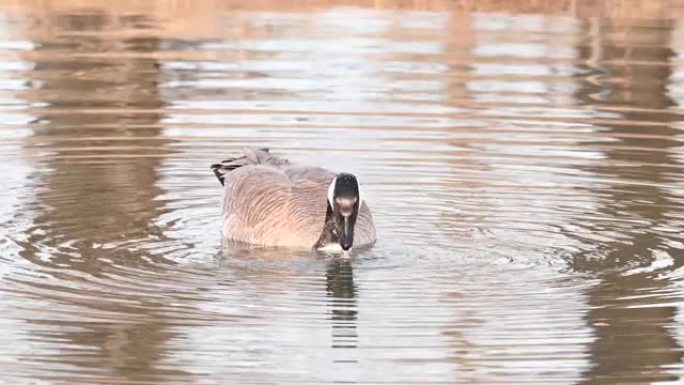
(524, 163)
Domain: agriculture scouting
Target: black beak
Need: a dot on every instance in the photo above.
(347, 232)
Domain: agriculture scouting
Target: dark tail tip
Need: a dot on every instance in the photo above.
(230, 164)
(219, 175)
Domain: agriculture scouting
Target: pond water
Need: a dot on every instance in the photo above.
(524, 163)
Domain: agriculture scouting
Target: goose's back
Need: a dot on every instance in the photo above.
(268, 206)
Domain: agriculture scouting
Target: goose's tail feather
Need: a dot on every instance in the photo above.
(251, 156)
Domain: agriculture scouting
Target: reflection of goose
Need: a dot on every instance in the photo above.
(342, 291)
(270, 202)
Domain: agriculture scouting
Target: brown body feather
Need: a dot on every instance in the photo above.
(269, 202)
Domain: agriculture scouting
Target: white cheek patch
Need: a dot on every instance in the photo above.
(331, 191)
(360, 193)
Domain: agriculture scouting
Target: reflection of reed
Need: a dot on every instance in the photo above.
(94, 194)
(90, 197)
(184, 11)
(342, 290)
(631, 342)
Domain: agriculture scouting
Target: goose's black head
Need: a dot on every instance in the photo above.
(344, 201)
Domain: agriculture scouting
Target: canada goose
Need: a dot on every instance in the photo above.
(268, 201)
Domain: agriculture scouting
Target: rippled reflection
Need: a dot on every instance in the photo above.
(340, 286)
(633, 336)
(522, 160)
(95, 196)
